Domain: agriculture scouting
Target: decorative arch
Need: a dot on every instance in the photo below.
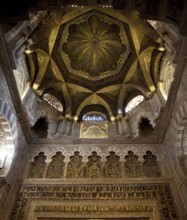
(98, 101)
(55, 100)
(143, 113)
(137, 100)
(138, 90)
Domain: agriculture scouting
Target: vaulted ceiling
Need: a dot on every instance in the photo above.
(93, 56)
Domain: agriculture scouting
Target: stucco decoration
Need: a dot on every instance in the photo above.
(37, 167)
(56, 166)
(75, 167)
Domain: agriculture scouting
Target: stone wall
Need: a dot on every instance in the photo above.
(12, 169)
(175, 142)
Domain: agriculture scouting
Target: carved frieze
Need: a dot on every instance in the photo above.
(159, 193)
(95, 208)
(95, 167)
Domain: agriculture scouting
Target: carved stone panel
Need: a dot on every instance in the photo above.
(94, 166)
(132, 167)
(91, 200)
(75, 167)
(56, 167)
(150, 165)
(37, 167)
(113, 168)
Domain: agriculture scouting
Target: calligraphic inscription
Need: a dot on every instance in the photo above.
(159, 193)
(94, 208)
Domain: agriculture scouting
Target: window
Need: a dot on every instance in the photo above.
(94, 117)
(53, 101)
(134, 102)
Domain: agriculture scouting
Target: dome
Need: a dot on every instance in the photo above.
(94, 46)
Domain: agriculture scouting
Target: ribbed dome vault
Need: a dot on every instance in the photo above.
(94, 46)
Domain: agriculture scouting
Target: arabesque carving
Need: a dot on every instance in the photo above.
(132, 167)
(113, 167)
(150, 165)
(56, 167)
(75, 167)
(37, 167)
(94, 166)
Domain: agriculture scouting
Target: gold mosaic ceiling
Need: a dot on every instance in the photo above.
(95, 58)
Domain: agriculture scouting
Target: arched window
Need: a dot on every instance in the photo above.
(134, 102)
(53, 101)
(93, 117)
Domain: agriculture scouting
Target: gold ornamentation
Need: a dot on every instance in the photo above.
(94, 166)
(94, 208)
(75, 167)
(161, 193)
(113, 167)
(94, 46)
(56, 167)
(132, 167)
